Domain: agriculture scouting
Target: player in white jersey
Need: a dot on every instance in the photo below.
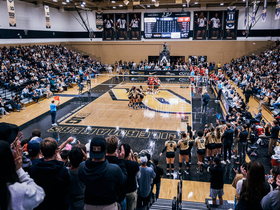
(108, 26)
(216, 24)
(121, 24)
(134, 25)
(201, 22)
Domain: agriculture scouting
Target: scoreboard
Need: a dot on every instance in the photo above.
(167, 25)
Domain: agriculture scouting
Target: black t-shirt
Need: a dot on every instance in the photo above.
(243, 136)
(274, 132)
(159, 174)
(132, 168)
(217, 175)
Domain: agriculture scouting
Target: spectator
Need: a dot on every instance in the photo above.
(216, 181)
(157, 179)
(228, 139)
(52, 176)
(101, 177)
(254, 188)
(145, 182)
(243, 135)
(132, 168)
(271, 201)
(239, 184)
(76, 188)
(111, 157)
(2, 107)
(18, 190)
(273, 137)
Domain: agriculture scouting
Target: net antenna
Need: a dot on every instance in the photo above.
(188, 3)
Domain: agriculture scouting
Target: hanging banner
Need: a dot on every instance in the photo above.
(47, 16)
(254, 12)
(277, 12)
(264, 11)
(11, 12)
(99, 21)
(230, 22)
(246, 14)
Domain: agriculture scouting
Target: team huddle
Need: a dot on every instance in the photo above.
(153, 85)
(136, 95)
(209, 142)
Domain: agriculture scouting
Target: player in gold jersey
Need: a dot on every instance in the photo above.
(170, 148)
(183, 144)
(210, 144)
(200, 144)
(218, 142)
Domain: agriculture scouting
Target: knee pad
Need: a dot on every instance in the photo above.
(172, 165)
(180, 165)
(167, 165)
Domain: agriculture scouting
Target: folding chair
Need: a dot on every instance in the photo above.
(253, 148)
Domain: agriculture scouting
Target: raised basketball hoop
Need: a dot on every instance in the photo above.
(188, 3)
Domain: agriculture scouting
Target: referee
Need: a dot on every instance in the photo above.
(53, 108)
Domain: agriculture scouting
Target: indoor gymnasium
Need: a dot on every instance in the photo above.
(134, 105)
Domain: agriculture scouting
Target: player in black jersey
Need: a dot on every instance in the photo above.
(140, 96)
(130, 97)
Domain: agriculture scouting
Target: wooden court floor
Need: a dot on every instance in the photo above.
(166, 110)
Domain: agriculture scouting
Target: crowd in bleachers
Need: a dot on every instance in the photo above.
(37, 71)
(258, 75)
(101, 175)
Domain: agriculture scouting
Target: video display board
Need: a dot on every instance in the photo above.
(167, 25)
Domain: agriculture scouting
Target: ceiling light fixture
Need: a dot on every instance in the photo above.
(195, 2)
(222, 4)
(54, 0)
(148, 6)
(63, 2)
(184, 5)
(114, 7)
(157, 4)
(120, 5)
(113, 2)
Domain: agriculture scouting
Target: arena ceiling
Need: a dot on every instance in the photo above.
(138, 4)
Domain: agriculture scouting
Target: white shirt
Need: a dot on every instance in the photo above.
(201, 22)
(108, 23)
(215, 22)
(135, 23)
(122, 23)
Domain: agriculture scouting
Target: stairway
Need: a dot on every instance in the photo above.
(164, 204)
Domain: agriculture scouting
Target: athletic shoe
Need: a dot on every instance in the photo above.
(228, 161)
(3, 115)
(187, 172)
(179, 173)
(234, 157)
(23, 108)
(167, 174)
(17, 110)
(53, 125)
(223, 162)
(7, 112)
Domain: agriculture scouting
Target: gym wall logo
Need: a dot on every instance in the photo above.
(120, 133)
(152, 73)
(166, 101)
(166, 14)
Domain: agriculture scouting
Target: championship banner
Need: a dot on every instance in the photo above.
(277, 12)
(254, 12)
(99, 21)
(11, 12)
(264, 11)
(230, 22)
(47, 16)
(246, 14)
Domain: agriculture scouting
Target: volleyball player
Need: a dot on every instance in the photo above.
(140, 96)
(183, 144)
(201, 21)
(150, 84)
(121, 24)
(130, 97)
(156, 85)
(134, 25)
(218, 142)
(210, 144)
(216, 24)
(108, 25)
(200, 144)
(134, 94)
(170, 148)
